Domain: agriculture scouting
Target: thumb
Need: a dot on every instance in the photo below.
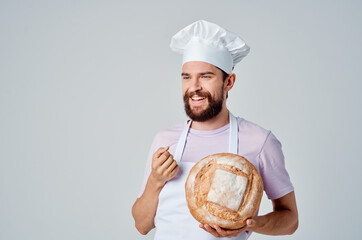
(250, 223)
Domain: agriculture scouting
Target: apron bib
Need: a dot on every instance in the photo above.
(173, 219)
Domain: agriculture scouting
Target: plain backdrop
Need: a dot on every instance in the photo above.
(85, 86)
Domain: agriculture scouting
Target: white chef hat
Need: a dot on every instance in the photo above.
(208, 42)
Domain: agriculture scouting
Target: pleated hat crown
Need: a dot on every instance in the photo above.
(208, 42)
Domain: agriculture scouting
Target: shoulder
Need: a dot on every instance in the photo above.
(252, 130)
(169, 134)
(257, 139)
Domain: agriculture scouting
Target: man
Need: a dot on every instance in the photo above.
(209, 55)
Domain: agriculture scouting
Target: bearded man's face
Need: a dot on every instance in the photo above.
(203, 90)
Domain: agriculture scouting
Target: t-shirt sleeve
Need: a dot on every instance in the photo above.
(272, 169)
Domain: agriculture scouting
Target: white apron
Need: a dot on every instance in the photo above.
(173, 219)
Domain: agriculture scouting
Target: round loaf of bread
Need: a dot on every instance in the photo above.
(224, 189)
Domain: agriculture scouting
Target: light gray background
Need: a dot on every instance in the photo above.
(85, 85)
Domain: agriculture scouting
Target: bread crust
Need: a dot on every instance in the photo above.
(223, 189)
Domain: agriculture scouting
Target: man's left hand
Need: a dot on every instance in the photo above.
(217, 231)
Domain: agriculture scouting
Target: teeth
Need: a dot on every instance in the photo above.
(197, 98)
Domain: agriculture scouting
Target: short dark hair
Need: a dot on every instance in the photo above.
(224, 77)
(224, 74)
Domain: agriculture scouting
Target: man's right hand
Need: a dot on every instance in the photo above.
(164, 167)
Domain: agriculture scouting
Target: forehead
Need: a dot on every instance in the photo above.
(195, 67)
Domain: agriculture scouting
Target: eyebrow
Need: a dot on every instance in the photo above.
(203, 73)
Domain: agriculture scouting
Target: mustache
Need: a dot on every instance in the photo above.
(198, 93)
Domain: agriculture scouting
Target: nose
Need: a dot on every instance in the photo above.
(194, 85)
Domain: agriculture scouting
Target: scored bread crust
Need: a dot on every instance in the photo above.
(227, 167)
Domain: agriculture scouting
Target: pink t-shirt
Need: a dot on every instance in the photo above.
(256, 144)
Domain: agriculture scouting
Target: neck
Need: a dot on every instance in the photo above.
(216, 122)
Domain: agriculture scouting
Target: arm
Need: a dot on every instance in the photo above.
(282, 221)
(144, 209)
(164, 168)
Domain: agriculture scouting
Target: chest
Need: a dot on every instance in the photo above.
(197, 148)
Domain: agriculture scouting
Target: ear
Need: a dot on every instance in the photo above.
(229, 82)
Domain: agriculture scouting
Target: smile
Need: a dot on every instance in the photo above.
(196, 100)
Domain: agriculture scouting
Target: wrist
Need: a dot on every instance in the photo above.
(155, 183)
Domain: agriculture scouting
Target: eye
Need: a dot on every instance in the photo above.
(185, 77)
(206, 76)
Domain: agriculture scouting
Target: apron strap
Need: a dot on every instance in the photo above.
(233, 134)
(182, 142)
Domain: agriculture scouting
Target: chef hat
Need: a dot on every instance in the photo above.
(208, 42)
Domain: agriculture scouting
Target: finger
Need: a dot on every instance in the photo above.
(202, 226)
(159, 151)
(220, 231)
(228, 233)
(174, 171)
(167, 163)
(211, 230)
(162, 158)
(215, 235)
(171, 166)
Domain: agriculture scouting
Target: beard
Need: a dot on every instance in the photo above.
(212, 110)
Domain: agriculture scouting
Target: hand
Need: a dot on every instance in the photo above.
(217, 231)
(164, 167)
